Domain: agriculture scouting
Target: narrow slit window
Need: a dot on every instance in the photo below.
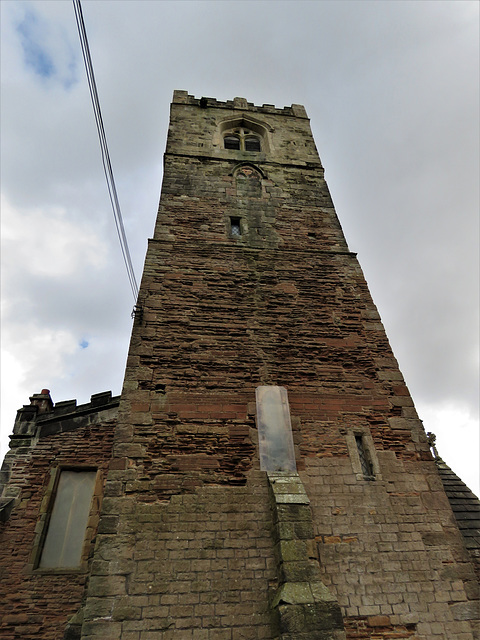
(235, 227)
(64, 541)
(367, 467)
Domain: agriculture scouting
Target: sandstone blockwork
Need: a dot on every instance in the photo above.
(248, 282)
(39, 602)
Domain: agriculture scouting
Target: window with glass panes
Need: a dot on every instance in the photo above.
(65, 536)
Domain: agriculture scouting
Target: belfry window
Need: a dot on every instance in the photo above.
(252, 143)
(242, 139)
(231, 142)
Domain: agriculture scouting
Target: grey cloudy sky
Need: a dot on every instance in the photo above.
(391, 89)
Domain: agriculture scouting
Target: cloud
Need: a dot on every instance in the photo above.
(35, 56)
(53, 244)
(458, 440)
(46, 49)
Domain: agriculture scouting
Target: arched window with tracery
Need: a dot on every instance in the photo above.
(242, 139)
(248, 181)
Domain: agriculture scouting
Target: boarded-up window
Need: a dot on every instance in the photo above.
(275, 437)
(248, 182)
(68, 521)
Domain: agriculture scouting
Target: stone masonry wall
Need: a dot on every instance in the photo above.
(283, 303)
(198, 566)
(390, 550)
(38, 603)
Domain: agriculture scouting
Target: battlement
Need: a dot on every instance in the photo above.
(36, 421)
(42, 417)
(98, 401)
(183, 97)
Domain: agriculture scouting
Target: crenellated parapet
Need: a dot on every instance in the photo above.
(40, 419)
(183, 97)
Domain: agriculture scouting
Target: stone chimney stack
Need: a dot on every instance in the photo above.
(42, 400)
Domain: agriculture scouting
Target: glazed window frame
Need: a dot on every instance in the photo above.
(236, 227)
(364, 457)
(358, 439)
(45, 521)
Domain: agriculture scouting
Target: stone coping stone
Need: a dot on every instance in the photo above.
(302, 593)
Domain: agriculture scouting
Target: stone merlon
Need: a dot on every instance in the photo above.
(183, 97)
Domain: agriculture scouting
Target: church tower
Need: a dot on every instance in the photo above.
(269, 478)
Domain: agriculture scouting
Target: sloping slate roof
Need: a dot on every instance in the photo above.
(465, 505)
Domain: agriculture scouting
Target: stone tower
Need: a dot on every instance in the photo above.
(270, 478)
(249, 283)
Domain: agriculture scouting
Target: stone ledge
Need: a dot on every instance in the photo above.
(302, 592)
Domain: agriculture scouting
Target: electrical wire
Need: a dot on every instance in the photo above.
(107, 166)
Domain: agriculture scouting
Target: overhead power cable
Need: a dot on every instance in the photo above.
(107, 166)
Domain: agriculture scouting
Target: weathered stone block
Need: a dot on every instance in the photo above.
(105, 586)
(466, 610)
(108, 524)
(291, 550)
(297, 571)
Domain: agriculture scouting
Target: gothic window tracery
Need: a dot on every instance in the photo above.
(248, 181)
(242, 139)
